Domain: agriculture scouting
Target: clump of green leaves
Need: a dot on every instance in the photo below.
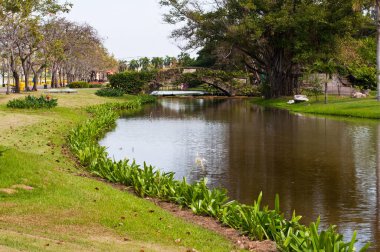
(357, 58)
(79, 84)
(255, 221)
(32, 102)
(132, 82)
(363, 76)
(110, 92)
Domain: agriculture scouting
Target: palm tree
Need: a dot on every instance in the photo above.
(133, 65)
(144, 63)
(157, 62)
(169, 61)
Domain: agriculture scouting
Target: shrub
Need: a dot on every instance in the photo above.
(95, 85)
(32, 102)
(132, 82)
(79, 84)
(110, 92)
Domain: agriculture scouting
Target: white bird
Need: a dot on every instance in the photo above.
(200, 162)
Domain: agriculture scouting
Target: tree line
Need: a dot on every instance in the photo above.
(35, 40)
(155, 63)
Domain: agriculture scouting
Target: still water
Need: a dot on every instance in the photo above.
(319, 166)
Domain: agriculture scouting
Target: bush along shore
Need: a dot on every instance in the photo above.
(256, 222)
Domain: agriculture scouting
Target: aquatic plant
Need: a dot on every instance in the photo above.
(256, 222)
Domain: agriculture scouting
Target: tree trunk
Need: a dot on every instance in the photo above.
(36, 77)
(3, 73)
(16, 76)
(45, 85)
(60, 78)
(26, 73)
(281, 79)
(54, 78)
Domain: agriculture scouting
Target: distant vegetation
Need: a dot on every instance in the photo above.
(35, 43)
(79, 84)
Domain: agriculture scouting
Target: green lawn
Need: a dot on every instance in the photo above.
(47, 204)
(337, 106)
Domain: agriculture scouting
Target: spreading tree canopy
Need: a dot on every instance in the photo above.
(276, 37)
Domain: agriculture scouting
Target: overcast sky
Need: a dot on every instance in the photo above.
(131, 28)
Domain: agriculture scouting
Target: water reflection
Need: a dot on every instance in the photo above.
(317, 165)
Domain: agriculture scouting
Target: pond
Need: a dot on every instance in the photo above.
(319, 166)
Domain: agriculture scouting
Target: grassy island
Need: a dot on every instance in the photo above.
(336, 106)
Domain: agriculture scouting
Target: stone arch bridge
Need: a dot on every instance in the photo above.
(231, 84)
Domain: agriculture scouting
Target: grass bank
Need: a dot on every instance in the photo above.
(256, 222)
(48, 203)
(337, 106)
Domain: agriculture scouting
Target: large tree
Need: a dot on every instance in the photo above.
(276, 38)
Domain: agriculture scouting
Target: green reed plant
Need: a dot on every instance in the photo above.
(257, 222)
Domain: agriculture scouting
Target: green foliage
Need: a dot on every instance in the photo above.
(364, 71)
(110, 92)
(212, 74)
(28, 7)
(367, 50)
(185, 60)
(133, 65)
(132, 82)
(144, 63)
(357, 59)
(363, 76)
(79, 84)
(157, 62)
(32, 102)
(255, 221)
